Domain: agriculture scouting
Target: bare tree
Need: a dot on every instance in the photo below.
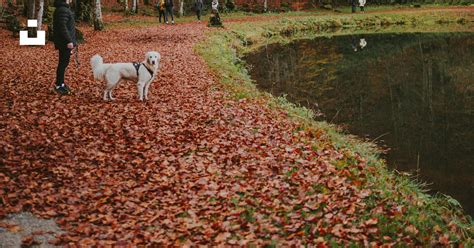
(30, 12)
(135, 6)
(39, 14)
(181, 7)
(126, 5)
(98, 24)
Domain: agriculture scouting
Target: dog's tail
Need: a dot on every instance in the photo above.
(98, 68)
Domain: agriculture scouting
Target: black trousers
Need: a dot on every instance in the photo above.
(198, 13)
(64, 57)
(161, 14)
(169, 11)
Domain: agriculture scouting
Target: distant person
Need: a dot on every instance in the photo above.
(361, 5)
(161, 10)
(198, 5)
(215, 6)
(215, 18)
(354, 5)
(64, 36)
(169, 11)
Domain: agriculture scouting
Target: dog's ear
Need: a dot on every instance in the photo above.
(147, 57)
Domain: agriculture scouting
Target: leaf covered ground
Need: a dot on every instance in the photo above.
(190, 166)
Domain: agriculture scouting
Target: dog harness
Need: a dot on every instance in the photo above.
(137, 67)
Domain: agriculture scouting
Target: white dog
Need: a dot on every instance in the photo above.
(142, 73)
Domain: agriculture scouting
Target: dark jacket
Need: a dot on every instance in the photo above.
(64, 27)
(169, 4)
(198, 5)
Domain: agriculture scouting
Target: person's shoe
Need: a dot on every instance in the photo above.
(62, 89)
(67, 88)
(166, 22)
(172, 22)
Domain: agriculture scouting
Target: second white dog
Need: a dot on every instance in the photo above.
(142, 73)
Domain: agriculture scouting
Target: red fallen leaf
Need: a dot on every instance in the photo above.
(11, 227)
(14, 229)
(370, 222)
(444, 239)
(411, 229)
(87, 242)
(222, 237)
(337, 230)
(28, 241)
(51, 213)
(55, 241)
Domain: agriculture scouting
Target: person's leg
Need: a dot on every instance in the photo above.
(166, 15)
(64, 56)
(172, 17)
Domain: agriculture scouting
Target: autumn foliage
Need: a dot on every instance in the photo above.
(190, 166)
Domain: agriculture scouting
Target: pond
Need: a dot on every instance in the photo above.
(410, 92)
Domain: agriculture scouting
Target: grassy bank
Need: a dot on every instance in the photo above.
(424, 219)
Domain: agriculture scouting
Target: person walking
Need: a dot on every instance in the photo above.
(169, 11)
(161, 10)
(354, 5)
(361, 5)
(198, 5)
(215, 19)
(64, 36)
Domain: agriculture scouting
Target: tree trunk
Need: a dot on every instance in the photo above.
(134, 6)
(126, 5)
(39, 14)
(181, 8)
(25, 8)
(30, 12)
(98, 24)
(78, 9)
(265, 6)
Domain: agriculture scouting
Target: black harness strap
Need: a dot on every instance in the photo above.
(137, 67)
(150, 71)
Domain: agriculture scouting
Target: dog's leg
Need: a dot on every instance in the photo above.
(146, 90)
(112, 80)
(110, 95)
(105, 95)
(140, 87)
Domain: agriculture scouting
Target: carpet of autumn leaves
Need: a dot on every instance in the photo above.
(190, 166)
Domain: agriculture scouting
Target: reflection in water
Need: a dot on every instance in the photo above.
(413, 91)
(358, 46)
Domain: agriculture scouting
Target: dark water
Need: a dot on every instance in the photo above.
(411, 92)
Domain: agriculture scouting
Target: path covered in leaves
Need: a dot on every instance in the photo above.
(190, 166)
